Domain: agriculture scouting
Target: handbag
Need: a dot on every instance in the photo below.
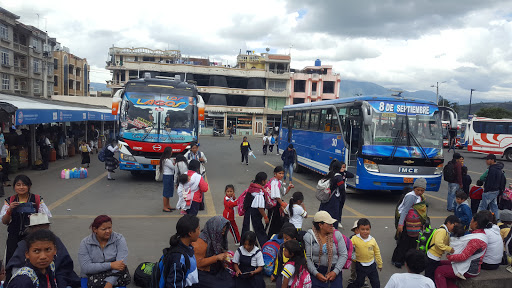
(98, 280)
(158, 174)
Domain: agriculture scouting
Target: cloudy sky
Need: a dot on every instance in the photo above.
(394, 43)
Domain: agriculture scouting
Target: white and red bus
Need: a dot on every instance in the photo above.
(490, 136)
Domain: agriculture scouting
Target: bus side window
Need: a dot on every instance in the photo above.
(284, 119)
(509, 129)
(323, 117)
(298, 117)
(328, 119)
(315, 118)
(305, 119)
(335, 126)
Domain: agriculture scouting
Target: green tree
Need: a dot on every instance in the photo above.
(447, 103)
(494, 112)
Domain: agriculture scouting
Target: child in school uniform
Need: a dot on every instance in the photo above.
(229, 211)
(85, 151)
(248, 263)
(295, 272)
(296, 210)
(475, 193)
(441, 242)
(245, 147)
(462, 210)
(353, 273)
(466, 180)
(368, 258)
(288, 232)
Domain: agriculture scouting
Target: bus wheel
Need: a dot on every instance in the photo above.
(508, 154)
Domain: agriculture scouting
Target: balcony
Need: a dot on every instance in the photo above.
(20, 70)
(277, 93)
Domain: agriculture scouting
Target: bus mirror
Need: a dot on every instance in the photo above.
(367, 113)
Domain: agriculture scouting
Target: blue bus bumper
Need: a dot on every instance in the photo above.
(134, 166)
(375, 181)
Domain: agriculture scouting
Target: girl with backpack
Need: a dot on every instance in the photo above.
(197, 185)
(248, 263)
(272, 142)
(16, 212)
(288, 232)
(296, 210)
(295, 272)
(85, 151)
(337, 176)
(181, 167)
(254, 205)
(167, 169)
(277, 191)
(181, 272)
(111, 163)
(39, 269)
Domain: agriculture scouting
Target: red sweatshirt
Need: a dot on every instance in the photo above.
(473, 247)
(229, 205)
(197, 188)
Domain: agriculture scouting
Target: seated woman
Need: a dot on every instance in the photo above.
(104, 251)
(64, 273)
(467, 263)
(210, 251)
(39, 269)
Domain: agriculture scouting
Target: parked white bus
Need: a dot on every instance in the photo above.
(490, 136)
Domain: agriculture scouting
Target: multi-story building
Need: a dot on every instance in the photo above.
(26, 59)
(314, 83)
(249, 96)
(71, 73)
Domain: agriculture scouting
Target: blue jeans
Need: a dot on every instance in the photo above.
(489, 200)
(450, 199)
(288, 169)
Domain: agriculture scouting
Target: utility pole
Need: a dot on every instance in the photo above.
(470, 98)
(437, 91)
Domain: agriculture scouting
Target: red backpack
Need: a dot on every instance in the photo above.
(303, 279)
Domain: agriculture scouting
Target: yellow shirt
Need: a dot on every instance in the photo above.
(441, 241)
(367, 250)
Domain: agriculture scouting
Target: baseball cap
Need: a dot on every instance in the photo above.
(490, 157)
(323, 216)
(355, 226)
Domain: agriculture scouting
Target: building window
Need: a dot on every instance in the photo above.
(276, 85)
(5, 57)
(5, 82)
(55, 81)
(37, 87)
(55, 64)
(4, 31)
(36, 44)
(16, 84)
(36, 65)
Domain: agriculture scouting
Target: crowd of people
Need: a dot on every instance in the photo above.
(199, 257)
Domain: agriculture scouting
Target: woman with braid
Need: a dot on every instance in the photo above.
(326, 252)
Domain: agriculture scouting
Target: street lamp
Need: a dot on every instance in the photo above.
(470, 97)
(437, 91)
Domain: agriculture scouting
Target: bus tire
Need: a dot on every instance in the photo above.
(508, 154)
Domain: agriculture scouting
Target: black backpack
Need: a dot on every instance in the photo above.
(161, 268)
(142, 275)
(449, 172)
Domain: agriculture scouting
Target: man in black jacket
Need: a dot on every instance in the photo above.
(492, 185)
(64, 273)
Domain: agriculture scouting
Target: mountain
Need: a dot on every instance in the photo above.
(464, 109)
(94, 86)
(349, 88)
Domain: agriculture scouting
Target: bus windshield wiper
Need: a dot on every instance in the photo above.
(149, 131)
(399, 136)
(415, 140)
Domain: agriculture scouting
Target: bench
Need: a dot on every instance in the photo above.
(500, 278)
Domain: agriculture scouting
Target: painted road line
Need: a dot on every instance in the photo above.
(208, 201)
(350, 209)
(435, 197)
(201, 216)
(76, 192)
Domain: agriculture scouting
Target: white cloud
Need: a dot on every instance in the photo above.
(394, 43)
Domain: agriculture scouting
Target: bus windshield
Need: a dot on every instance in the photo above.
(145, 117)
(392, 129)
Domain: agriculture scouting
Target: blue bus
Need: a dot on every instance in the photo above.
(386, 141)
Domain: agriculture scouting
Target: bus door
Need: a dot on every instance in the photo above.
(291, 120)
(353, 130)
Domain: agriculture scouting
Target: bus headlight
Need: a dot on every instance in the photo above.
(127, 157)
(371, 166)
(439, 169)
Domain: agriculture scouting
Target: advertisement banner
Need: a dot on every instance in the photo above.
(403, 108)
